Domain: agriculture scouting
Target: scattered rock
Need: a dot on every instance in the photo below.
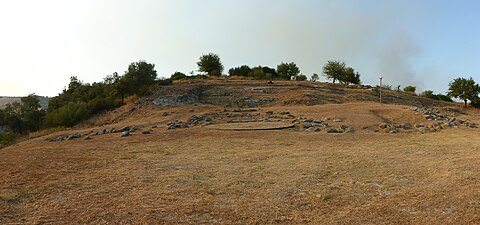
(176, 124)
(347, 129)
(312, 129)
(133, 129)
(73, 136)
(332, 130)
(337, 120)
(165, 113)
(125, 128)
(125, 133)
(407, 126)
(87, 137)
(147, 132)
(307, 125)
(371, 129)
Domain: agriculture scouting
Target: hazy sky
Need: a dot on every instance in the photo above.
(408, 42)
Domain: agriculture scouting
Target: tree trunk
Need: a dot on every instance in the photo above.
(465, 103)
(123, 97)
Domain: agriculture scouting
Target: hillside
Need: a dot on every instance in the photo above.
(250, 152)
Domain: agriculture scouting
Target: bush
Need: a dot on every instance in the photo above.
(164, 82)
(475, 102)
(410, 89)
(240, 71)
(429, 94)
(8, 138)
(69, 114)
(301, 77)
(178, 76)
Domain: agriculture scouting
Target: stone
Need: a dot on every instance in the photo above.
(332, 130)
(124, 128)
(165, 113)
(371, 129)
(147, 132)
(73, 136)
(337, 120)
(113, 130)
(125, 133)
(307, 125)
(308, 120)
(87, 137)
(313, 129)
(317, 121)
(133, 129)
(391, 130)
(423, 130)
(383, 125)
(347, 129)
(269, 112)
(407, 126)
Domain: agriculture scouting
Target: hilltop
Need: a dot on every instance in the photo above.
(241, 152)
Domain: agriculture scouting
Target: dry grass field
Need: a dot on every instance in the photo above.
(199, 175)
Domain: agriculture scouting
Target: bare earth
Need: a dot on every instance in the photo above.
(209, 176)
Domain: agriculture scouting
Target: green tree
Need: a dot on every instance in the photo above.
(315, 77)
(334, 70)
(13, 117)
(140, 75)
(31, 113)
(288, 71)
(111, 79)
(69, 114)
(301, 77)
(464, 89)
(240, 71)
(428, 94)
(178, 76)
(350, 76)
(410, 89)
(210, 64)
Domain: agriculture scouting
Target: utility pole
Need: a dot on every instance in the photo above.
(381, 90)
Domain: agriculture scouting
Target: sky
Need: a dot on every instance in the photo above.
(423, 43)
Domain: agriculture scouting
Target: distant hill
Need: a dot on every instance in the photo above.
(5, 100)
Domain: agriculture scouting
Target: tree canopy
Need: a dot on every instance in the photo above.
(464, 89)
(337, 70)
(410, 89)
(210, 64)
(240, 71)
(288, 71)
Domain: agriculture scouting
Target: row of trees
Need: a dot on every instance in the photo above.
(211, 65)
(78, 101)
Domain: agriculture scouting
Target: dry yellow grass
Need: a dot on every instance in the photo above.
(207, 176)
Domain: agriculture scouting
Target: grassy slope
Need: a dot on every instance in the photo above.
(199, 175)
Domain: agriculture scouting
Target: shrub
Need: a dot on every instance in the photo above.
(240, 71)
(8, 138)
(410, 89)
(301, 77)
(69, 114)
(178, 76)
